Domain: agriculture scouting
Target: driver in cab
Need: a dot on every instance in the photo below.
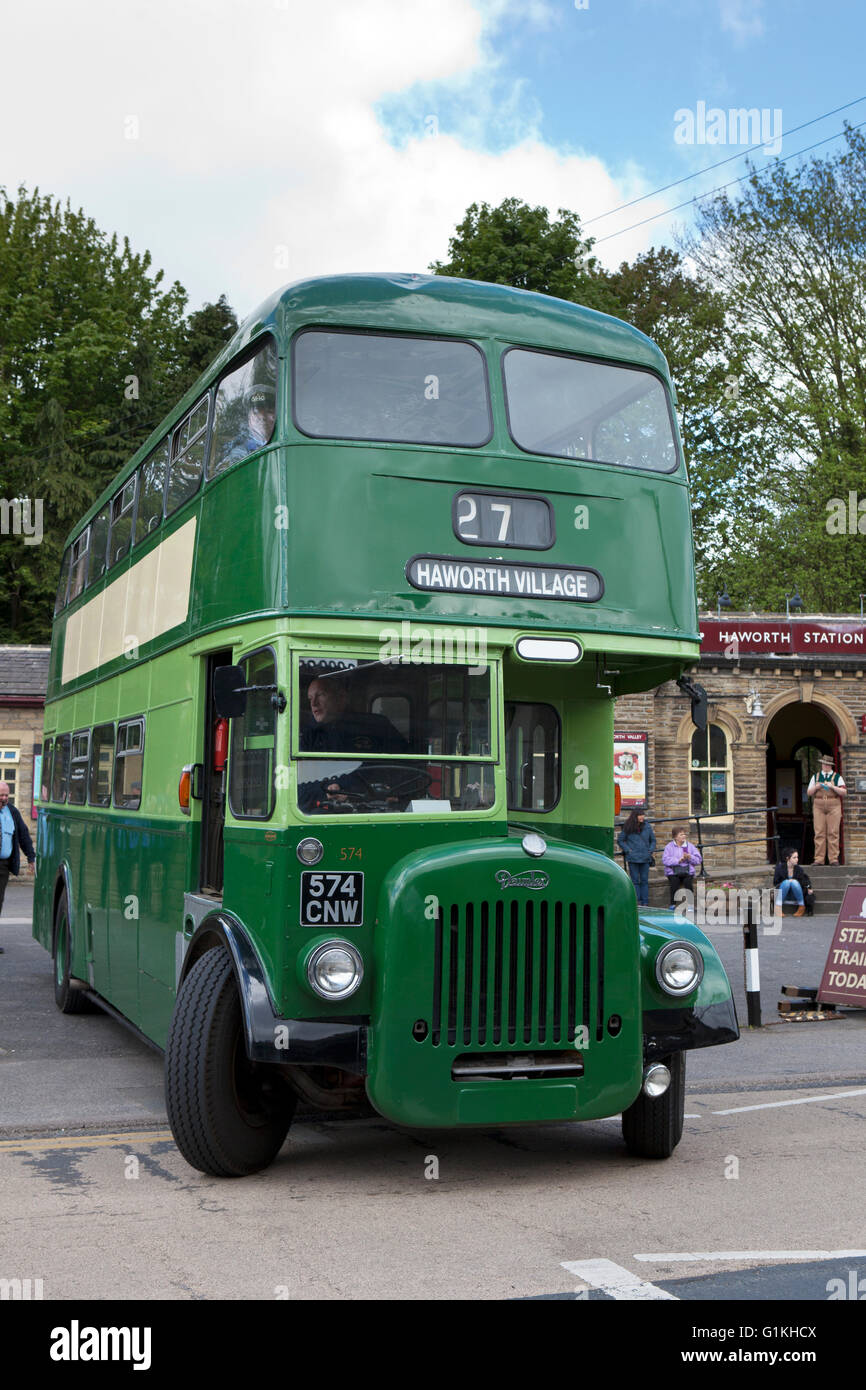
(338, 729)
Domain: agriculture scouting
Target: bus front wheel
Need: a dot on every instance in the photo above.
(229, 1116)
(68, 999)
(653, 1126)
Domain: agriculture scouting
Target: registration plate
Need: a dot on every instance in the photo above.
(332, 899)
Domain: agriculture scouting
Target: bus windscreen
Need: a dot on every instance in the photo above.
(416, 736)
(579, 409)
(391, 388)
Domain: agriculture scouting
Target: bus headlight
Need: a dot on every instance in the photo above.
(335, 970)
(679, 967)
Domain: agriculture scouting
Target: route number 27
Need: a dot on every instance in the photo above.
(467, 516)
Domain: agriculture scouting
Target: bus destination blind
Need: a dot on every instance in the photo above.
(504, 578)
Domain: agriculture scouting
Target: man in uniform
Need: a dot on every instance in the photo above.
(827, 790)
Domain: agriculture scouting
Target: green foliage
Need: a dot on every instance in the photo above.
(515, 244)
(93, 352)
(789, 258)
(764, 330)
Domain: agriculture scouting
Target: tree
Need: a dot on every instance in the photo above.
(789, 257)
(514, 244)
(726, 449)
(207, 332)
(93, 352)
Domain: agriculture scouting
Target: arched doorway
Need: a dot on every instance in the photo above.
(797, 735)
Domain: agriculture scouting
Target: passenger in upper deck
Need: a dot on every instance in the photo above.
(261, 415)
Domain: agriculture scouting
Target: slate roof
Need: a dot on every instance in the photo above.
(23, 671)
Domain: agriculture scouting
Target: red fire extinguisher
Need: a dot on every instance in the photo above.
(220, 744)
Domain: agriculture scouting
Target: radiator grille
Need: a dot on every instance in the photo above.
(514, 974)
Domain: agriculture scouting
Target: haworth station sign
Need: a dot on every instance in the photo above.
(780, 637)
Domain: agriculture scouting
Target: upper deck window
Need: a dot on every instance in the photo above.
(187, 460)
(390, 387)
(245, 410)
(579, 409)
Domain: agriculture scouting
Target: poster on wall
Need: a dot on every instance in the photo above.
(630, 766)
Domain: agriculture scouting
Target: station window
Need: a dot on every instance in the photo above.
(10, 756)
(710, 771)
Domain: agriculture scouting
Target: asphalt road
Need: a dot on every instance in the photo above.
(761, 1201)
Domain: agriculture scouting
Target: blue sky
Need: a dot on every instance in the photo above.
(247, 143)
(607, 80)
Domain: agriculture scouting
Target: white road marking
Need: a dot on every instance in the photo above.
(802, 1100)
(756, 1255)
(15, 921)
(614, 1280)
(692, 1117)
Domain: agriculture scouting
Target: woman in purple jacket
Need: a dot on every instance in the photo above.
(680, 861)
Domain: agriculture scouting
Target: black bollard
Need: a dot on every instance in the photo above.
(752, 969)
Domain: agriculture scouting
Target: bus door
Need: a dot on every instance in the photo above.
(532, 755)
(213, 785)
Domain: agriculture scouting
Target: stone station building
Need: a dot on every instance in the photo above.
(23, 682)
(781, 692)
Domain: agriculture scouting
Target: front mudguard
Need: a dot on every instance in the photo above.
(268, 1036)
(705, 1018)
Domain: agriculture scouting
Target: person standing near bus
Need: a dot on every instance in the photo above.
(637, 841)
(14, 836)
(827, 790)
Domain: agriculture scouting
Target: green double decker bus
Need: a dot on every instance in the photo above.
(328, 796)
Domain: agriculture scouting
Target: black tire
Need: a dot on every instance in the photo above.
(229, 1116)
(652, 1127)
(67, 999)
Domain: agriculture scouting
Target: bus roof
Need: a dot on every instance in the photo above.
(414, 303)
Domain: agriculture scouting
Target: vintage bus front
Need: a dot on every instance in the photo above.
(488, 540)
(457, 932)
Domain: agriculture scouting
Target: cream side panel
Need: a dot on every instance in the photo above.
(141, 604)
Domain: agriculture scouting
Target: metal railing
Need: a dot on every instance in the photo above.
(698, 816)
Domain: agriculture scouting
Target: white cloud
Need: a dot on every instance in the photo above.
(742, 18)
(260, 127)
